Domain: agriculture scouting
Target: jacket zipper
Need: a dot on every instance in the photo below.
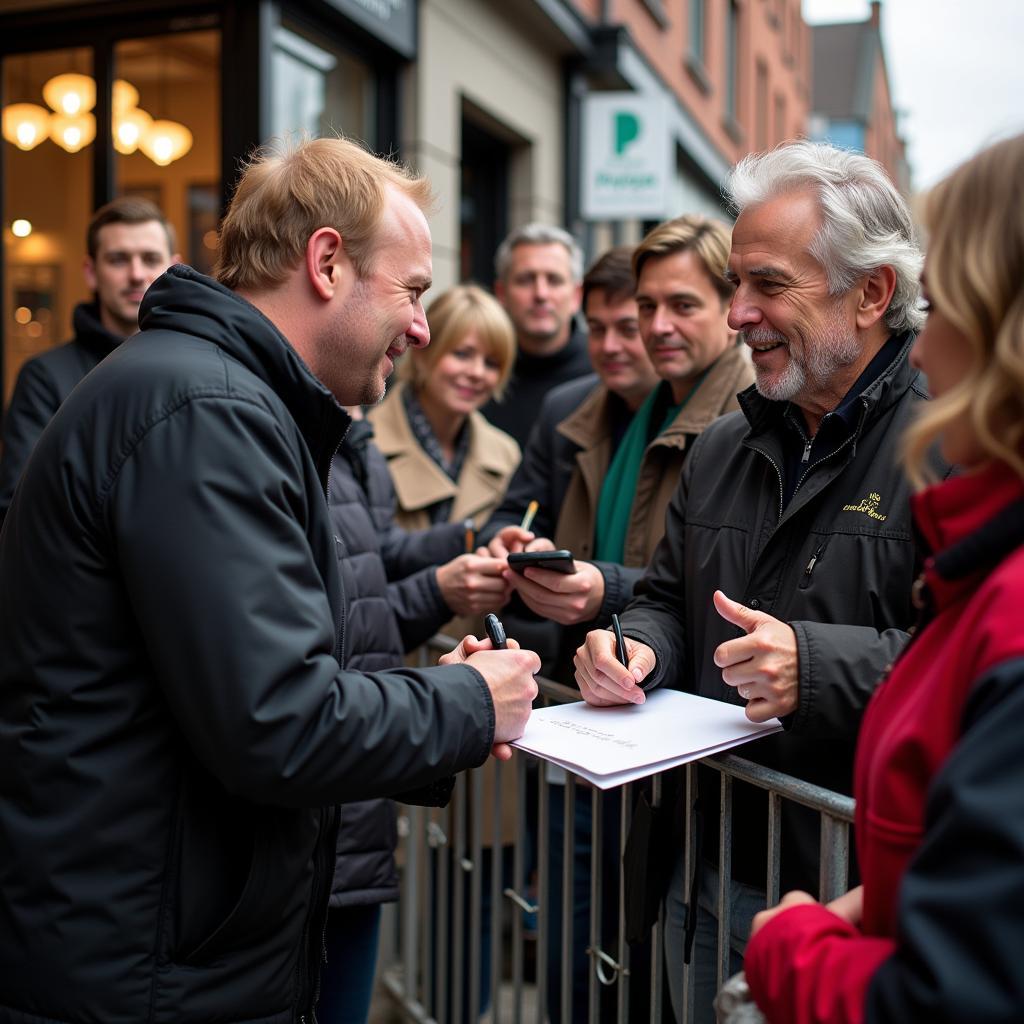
(310, 959)
(824, 458)
(805, 580)
(339, 628)
(778, 472)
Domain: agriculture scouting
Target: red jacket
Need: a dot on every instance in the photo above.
(939, 782)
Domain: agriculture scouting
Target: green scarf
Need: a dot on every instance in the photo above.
(615, 505)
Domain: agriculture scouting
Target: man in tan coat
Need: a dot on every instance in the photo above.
(612, 508)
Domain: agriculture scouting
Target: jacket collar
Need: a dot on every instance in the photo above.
(888, 387)
(185, 301)
(89, 329)
(419, 481)
(970, 523)
(714, 393)
(591, 422)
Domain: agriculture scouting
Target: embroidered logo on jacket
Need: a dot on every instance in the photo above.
(869, 506)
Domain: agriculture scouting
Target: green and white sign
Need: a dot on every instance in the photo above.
(627, 151)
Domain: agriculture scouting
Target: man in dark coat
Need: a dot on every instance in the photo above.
(176, 729)
(783, 580)
(538, 275)
(130, 245)
(431, 578)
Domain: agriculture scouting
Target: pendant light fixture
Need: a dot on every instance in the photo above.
(73, 132)
(70, 94)
(26, 124)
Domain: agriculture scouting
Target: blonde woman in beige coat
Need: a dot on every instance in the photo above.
(447, 462)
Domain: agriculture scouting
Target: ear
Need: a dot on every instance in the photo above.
(875, 295)
(89, 273)
(499, 290)
(577, 298)
(326, 262)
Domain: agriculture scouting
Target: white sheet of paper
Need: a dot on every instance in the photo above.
(611, 746)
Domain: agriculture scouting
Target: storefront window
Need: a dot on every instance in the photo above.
(166, 129)
(48, 126)
(319, 89)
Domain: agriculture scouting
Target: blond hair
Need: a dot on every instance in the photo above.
(975, 279)
(453, 315)
(289, 190)
(709, 240)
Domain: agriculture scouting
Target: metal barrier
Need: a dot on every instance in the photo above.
(468, 916)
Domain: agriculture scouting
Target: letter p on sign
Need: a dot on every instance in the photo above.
(627, 128)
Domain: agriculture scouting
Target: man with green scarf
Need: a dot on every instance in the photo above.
(613, 506)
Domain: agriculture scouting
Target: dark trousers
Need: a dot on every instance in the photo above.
(346, 981)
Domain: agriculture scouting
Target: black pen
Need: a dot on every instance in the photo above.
(620, 642)
(496, 631)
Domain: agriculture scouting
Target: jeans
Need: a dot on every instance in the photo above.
(346, 981)
(745, 901)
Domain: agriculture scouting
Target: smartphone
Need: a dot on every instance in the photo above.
(559, 561)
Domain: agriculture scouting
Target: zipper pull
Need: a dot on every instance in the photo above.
(807, 452)
(810, 564)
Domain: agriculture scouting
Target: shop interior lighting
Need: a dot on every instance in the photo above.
(21, 228)
(72, 127)
(70, 94)
(165, 142)
(125, 96)
(26, 124)
(73, 133)
(130, 127)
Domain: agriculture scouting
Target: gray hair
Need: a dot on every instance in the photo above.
(538, 234)
(866, 223)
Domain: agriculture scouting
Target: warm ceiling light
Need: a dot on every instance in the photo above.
(73, 133)
(26, 124)
(125, 96)
(165, 142)
(70, 93)
(130, 127)
(21, 228)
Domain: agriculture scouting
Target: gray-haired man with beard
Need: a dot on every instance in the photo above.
(783, 580)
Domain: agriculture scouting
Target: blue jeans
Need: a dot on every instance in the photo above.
(346, 981)
(745, 901)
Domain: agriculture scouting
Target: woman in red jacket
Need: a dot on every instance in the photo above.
(936, 932)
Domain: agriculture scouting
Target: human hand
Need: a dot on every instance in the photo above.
(510, 712)
(508, 539)
(763, 665)
(603, 680)
(849, 906)
(473, 584)
(562, 597)
(791, 899)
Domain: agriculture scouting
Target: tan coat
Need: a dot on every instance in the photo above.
(588, 427)
(419, 482)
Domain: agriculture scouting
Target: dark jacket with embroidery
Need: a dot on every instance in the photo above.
(837, 565)
(42, 385)
(175, 727)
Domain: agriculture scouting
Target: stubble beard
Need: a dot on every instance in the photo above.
(822, 355)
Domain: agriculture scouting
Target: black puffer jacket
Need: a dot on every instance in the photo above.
(837, 565)
(43, 384)
(175, 729)
(384, 620)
